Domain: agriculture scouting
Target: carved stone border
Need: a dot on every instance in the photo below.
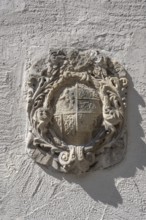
(47, 77)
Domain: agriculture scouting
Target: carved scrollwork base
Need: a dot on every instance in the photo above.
(76, 109)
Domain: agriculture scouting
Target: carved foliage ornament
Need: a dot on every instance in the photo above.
(76, 110)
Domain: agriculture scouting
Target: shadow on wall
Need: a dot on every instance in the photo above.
(100, 185)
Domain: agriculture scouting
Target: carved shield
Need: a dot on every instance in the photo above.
(77, 114)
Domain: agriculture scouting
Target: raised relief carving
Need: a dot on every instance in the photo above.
(76, 110)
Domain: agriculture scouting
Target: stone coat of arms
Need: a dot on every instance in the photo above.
(76, 110)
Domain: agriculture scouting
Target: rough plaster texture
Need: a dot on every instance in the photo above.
(30, 28)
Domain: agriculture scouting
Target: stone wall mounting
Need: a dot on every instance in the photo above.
(76, 110)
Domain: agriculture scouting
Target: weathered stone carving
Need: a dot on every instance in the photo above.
(76, 110)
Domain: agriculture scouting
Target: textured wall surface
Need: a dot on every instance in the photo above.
(29, 29)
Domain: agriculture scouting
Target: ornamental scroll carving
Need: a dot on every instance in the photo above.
(76, 110)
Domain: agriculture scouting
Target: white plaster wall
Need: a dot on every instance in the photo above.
(29, 28)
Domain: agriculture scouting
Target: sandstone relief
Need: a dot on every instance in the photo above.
(76, 110)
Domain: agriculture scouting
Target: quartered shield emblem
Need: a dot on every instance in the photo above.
(77, 113)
